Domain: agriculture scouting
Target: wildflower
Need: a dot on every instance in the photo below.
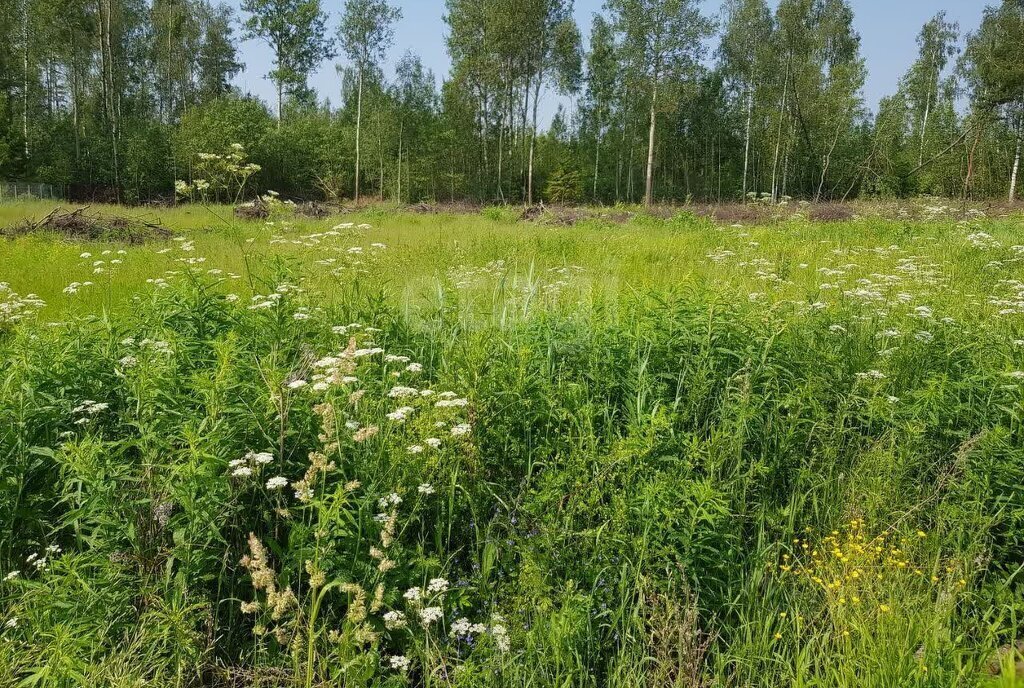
(414, 368)
(11, 622)
(389, 500)
(394, 620)
(378, 599)
(429, 615)
(884, 608)
(366, 433)
(317, 577)
(241, 472)
(461, 429)
(277, 483)
(413, 594)
(451, 403)
(437, 585)
(433, 442)
(11, 576)
(415, 449)
(297, 384)
(399, 662)
(400, 415)
(500, 634)
(426, 489)
(399, 392)
(261, 458)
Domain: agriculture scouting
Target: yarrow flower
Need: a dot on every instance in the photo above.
(429, 615)
(426, 489)
(400, 415)
(277, 483)
(399, 662)
(500, 634)
(394, 620)
(451, 403)
(437, 585)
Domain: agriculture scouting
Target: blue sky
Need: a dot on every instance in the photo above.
(888, 29)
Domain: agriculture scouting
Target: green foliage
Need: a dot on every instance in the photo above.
(296, 31)
(115, 99)
(653, 453)
(564, 186)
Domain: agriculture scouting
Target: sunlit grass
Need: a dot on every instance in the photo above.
(669, 453)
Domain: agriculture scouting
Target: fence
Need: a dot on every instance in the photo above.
(17, 190)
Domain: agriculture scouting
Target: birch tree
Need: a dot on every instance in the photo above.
(602, 71)
(747, 34)
(366, 33)
(666, 38)
(936, 46)
(296, 31)
(995, 58)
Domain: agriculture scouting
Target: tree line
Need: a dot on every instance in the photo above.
(118, 98)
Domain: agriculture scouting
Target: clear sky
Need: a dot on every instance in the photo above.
(888, 29)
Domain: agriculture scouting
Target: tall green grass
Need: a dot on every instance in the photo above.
(676, 454)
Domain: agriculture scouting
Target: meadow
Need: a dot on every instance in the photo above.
(386, 448)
